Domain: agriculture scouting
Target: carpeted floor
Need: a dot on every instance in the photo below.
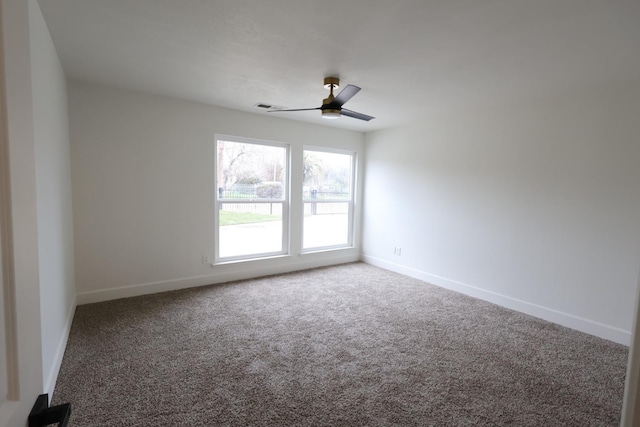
(351, 345)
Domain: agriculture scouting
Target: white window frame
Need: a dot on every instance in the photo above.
(286, 201)
(351, 202)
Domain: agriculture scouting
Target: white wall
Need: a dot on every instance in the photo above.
(143, 186)
(533, 206)
(53, 186)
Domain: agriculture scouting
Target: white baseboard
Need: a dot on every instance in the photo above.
(220, 274)
(50, 383)
(570, 321)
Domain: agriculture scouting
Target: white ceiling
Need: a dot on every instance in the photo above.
(411, 57)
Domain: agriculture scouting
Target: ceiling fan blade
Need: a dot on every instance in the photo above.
(346, 94)
(297, 109)
(355, 115)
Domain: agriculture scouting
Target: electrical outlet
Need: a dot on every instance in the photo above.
(397, 250)
(205, 259)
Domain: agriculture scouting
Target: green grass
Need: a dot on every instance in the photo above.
(233, 218)
(238, 195)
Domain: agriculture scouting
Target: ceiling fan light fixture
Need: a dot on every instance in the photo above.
(330, 114)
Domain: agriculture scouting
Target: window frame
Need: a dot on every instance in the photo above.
(285, 201)
(351, 202)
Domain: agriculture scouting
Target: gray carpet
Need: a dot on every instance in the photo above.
(351, 345)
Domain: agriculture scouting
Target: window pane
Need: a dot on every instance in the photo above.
(250, 229)
(325, 224)
(326, 175)
(327, 192)
(251, 171)
(251, 180)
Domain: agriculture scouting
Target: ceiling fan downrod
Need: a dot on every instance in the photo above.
(328, 112)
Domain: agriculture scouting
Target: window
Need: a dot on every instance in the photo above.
(328, 199)
(251, 199)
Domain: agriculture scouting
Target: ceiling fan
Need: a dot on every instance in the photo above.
(332, 106)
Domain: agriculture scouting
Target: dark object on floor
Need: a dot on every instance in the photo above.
(42, 415)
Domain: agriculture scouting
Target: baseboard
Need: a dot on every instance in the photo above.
(564, 319)
(220, 274)
(50, 383)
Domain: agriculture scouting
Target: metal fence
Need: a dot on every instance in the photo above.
(239, 191)
(310, 208)
(325, 195)
(269, 190)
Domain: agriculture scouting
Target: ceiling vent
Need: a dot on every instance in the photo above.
(268, 106)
